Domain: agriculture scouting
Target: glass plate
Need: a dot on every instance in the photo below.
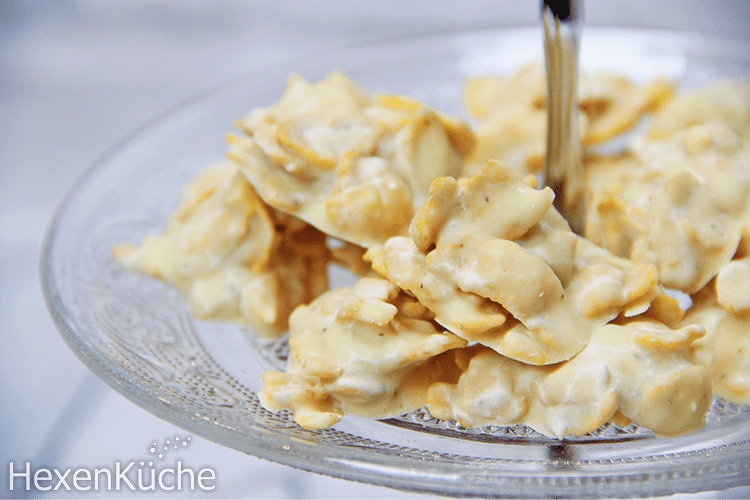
(137, 335)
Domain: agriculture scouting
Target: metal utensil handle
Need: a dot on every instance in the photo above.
(564, 168)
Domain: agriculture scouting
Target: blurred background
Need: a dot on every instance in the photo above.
(76, 77)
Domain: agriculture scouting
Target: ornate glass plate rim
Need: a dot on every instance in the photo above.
(137, 336)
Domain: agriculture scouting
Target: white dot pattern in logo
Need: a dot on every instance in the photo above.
(165, 449)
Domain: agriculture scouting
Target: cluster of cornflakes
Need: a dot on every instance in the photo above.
(474, 298)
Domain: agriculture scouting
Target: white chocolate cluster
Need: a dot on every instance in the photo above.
(641, 369)
(233, 257)
(494, 239)
(723, 307)
(370, 350)
(512, 113)
(352, 164)
(474, 298)
(681, 203)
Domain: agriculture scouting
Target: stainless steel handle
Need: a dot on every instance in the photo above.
(564, 169)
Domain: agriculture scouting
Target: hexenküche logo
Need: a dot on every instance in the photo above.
(147, 474)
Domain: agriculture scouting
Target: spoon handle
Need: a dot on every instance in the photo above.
(564, 168)
(563, 10)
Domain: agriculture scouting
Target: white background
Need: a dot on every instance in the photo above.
(75, 77)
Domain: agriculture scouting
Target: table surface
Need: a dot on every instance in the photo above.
(75, 77)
